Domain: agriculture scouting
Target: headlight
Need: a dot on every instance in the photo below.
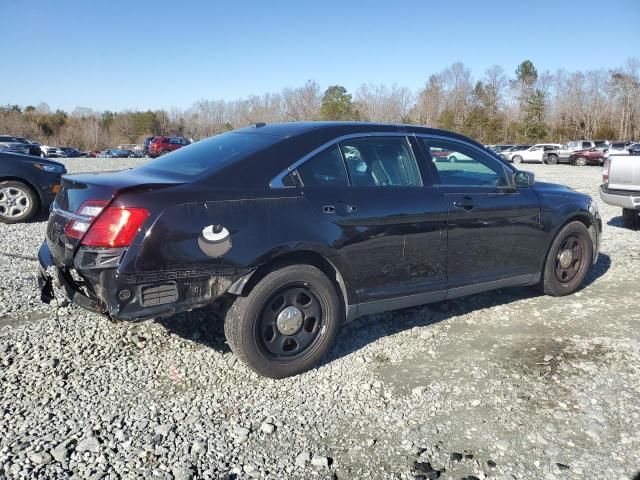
(49, 168)
(593, 208)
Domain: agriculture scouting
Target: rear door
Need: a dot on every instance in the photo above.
(493, 228)
(365, 195)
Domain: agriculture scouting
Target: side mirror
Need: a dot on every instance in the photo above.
(523, 179)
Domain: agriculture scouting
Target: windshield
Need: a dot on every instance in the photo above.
(209, 154)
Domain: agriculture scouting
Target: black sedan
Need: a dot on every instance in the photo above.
(27, 185)
(297, 228)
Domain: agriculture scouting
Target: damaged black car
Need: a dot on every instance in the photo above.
(300, 227)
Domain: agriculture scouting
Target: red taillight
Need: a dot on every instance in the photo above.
(605, 170)
(90, 209)
(115, 227)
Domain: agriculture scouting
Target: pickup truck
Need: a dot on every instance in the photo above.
(562, 154)
(621, 186)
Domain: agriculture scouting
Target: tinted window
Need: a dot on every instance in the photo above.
(210, 154)
(381, 162)
(175, 141)
(586, 144)
(458, 164)
(324, 169)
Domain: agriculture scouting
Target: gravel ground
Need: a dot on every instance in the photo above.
(504, 385)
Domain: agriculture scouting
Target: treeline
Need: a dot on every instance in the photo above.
(527, 106)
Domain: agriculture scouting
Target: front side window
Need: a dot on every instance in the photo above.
(325, 169)
(381, 162)
(586, 144)
(459, 164)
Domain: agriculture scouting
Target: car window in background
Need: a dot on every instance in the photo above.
(381, 162)
(463, 165)
(586, 144)
(210, 154)
(324, 169)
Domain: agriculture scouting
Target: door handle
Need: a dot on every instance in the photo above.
(329, 209)
(466, 204)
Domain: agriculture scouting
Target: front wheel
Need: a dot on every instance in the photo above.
(581, 161)
(517, 159)
(286, 323)
(568, 260)
(453, 159)
(18, 202)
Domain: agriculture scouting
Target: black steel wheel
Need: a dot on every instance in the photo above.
(568, 260)
(286, 323)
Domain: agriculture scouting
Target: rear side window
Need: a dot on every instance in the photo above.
(458, 164)
(381, 162)
(586, 144)
(325, 169)
(210, 154)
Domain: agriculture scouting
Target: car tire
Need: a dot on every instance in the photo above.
(630, 218)
(18, 202)
(516, 159)
(552, 159)
(257, 326)
(563, 273)
(580, 161)
(453, 159)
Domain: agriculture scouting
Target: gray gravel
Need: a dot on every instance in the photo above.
(505, 385)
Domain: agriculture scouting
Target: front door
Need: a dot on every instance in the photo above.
(492, 227)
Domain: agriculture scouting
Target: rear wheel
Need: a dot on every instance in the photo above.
(568, 260)
(286, 323)
(552, 159)
(453, 158)
(630, 218)
(517, 159)
(18, 202)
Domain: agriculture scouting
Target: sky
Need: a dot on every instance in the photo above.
(140, 54)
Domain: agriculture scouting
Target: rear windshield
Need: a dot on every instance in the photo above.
(210, 154)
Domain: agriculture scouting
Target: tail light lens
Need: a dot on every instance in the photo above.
(605, 170)
(90, 209)
(107, 227)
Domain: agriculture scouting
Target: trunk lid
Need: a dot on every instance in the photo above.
(624, 172)
(75, 190)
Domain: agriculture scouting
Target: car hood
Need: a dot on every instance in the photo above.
(29, 159)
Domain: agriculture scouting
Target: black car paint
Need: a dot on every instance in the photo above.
(398, 247)
(23, 169)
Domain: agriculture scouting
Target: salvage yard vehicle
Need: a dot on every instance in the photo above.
(591, 156)
(533, 153)
(163, 145)
(299, 227)
(621, 186)
(27, 186)
(562, 154)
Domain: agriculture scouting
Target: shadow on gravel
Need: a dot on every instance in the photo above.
(365, 330)
(206, 325)
(617, 222)
(636, 476)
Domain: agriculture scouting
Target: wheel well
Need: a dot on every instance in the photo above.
(302, 257)
(584, 219)
(28, 184)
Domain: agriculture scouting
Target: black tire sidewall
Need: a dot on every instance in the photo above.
(242, 318)
(33, 200)
(552, 159)
(551, 285)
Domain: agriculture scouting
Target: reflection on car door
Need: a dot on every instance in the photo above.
(493, 228)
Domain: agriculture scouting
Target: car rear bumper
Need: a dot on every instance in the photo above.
(100, 288)
(620, 198)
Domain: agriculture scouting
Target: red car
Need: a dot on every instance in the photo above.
(161, 145)
(589, 156)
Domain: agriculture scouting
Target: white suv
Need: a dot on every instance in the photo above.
(531, 154)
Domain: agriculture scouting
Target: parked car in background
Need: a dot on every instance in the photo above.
(629, 149)
(12, 144)
(532, 154)
(621, 186)
(34, 147)
(592, 156)
(163, 145)
(52, 152)
(72, 152)
(602, 145)
(508, 151)
(316, 224)
(146, 146)
(562, 154)
(27, 186)
(93, 153)
(502, 148)
(615, 147)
